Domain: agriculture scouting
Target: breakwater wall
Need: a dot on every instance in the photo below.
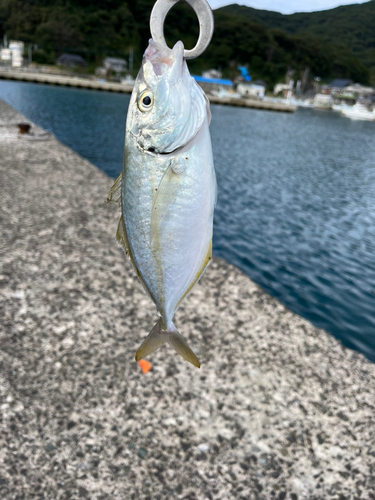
(278, 410)
(67, 81)
(26, 76)
(252, 103)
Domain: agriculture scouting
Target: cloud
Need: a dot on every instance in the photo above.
(286, 6)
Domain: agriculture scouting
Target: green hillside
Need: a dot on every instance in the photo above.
(96, 28)
(349, 25)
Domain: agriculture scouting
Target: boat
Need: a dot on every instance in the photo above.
(340, 107)
(359, 112)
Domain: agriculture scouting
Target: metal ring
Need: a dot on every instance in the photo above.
(205, 18)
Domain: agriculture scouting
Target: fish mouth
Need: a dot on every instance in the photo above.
(163, 58)
(156, 153)
(151, 150)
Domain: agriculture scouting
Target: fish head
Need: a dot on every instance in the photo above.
(167, 107)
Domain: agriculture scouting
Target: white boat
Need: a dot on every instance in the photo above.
(359, 112)
(340, 107)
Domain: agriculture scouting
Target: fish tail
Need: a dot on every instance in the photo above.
(158, 336)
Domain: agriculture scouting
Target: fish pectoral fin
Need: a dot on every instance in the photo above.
(166, 194)
(115, 191)
(158, 336)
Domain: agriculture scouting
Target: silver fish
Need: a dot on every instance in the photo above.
(167, 188)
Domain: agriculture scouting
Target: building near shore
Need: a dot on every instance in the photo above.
(323, 101)
(115, 64)
(281, 87)
(347, 92)
(212, 73)
(14, 53)
(255, 90)
(360, 90)
(71, 60)
(338, 85)
(213, 84)
(6, 55)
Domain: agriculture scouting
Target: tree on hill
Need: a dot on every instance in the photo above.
(351, 26)
(96, 28)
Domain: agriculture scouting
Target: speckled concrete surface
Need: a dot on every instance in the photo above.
(279, 409)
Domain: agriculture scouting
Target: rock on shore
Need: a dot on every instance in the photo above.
(279, 409)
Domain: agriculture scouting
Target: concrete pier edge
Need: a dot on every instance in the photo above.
(279, 409)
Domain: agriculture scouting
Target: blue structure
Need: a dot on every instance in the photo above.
(244, 73)
(218, 81)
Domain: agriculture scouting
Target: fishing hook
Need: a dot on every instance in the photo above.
(205, 18)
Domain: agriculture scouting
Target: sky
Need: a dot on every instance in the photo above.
(286, 6)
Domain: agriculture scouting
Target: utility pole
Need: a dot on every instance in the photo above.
(131, 61)
(30, 54)
(304, 80)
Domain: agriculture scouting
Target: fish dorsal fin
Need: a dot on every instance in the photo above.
(115, 191)
(166, 194)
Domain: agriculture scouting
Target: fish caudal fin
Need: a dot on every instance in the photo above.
(158, 336)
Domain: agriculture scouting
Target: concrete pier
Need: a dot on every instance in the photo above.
(66, 81)
(279, 409)
(252, 103)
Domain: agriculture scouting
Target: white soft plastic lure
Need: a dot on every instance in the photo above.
(167, 188)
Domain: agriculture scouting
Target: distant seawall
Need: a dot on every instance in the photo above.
(279, 409)
(77, 82)
(65, 81)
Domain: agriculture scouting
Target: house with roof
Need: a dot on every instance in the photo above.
(336, 86)
(71, 60)
(339, 84)
(344, 91)
(337, 90)
(115, 64)
(360, 90)
(255, 89)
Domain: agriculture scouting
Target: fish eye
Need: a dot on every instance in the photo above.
(145, 101)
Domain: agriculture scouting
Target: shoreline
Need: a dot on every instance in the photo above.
(278, 410)
(65, 81)
(77, 82)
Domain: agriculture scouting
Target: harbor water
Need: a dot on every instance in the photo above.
(296, 203)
